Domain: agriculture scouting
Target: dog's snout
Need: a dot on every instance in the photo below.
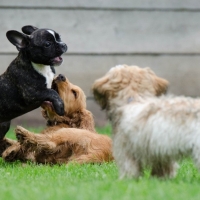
(63, 47)
(61, 77)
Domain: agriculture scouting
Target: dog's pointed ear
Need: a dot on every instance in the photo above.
(29, 29)
(18, 39)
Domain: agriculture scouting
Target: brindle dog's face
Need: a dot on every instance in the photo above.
(42, 46)
(73, 97)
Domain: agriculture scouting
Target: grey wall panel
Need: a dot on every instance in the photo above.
(90, 32)
(103, 3)
(183, 72)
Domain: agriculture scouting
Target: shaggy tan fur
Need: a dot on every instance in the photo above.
(68, 138)
(148, 131)
(67, 145)
(5, 143)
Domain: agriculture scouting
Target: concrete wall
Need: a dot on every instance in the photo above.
(164, 35)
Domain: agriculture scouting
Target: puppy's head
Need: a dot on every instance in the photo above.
(127, 82)
(42, 46)
(73, 97)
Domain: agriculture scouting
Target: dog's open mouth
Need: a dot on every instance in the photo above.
(47, 104)
(57, 61)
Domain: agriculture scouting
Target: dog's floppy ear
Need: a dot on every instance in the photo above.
(100, 98)
(161, 86)
(75, 93)
(28, 29)
(100, 91)
(18, 39)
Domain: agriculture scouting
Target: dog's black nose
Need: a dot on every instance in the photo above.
(64, 47)
(61, 77)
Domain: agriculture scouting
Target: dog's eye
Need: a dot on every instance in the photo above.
(74, 93)
(47, 44)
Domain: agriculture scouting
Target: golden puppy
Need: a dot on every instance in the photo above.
(76, 115)
(67, 138)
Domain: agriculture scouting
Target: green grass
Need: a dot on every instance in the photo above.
(96, 182)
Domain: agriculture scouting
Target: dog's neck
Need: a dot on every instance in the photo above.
(115, 105)
(46, 71)
(121, 100)
(130, 99)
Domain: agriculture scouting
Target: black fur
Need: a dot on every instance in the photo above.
(22, 88)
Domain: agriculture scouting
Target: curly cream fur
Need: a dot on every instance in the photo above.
(148, 131)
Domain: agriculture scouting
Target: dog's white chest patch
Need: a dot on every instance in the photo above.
(46, 71)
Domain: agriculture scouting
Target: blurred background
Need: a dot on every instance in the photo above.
(161, 34)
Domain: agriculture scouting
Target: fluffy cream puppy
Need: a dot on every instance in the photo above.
(148, 131)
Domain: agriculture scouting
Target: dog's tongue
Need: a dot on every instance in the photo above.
(46, 103)
(57, 59)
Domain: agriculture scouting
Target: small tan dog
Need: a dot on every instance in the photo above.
(68, 138)
(148, 130)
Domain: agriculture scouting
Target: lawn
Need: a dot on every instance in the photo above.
(72, 182)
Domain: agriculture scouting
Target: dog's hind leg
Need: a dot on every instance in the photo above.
(5, 143)
(164, 170)
(196, 155)
(11, 153)
(18, 152)
(4, 127)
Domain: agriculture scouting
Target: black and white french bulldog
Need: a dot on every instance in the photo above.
(26, 83)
